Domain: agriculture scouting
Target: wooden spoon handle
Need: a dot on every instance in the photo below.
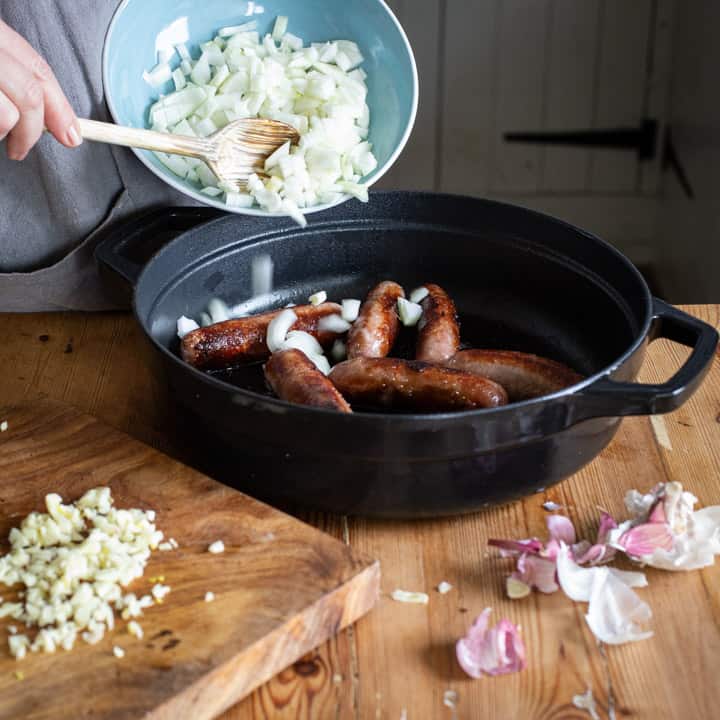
(146, 139)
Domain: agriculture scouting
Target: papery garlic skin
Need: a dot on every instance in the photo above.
(616, 614)
(666, 532)
(495, 651)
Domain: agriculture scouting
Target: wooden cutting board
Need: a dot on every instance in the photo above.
(281, 587)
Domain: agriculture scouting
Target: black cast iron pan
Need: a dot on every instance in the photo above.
(521, 281)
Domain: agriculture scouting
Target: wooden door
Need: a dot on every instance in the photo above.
(489, 67)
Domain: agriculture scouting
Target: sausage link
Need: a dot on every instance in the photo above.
(294, 377)
(524, 376)
(375, 330)
(438, 330)
(243, 340)
(413, 385)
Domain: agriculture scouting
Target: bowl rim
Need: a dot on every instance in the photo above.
(177, 184)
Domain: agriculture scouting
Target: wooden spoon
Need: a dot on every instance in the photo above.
(233, 153)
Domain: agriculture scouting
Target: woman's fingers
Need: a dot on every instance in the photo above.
(60, 119)
(29, 86)
(25, 92)
(9, 115)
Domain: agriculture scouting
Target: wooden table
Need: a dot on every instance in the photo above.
(400, 658)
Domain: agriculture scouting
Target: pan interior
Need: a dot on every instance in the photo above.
(517, 291)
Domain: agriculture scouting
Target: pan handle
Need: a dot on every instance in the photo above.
(607, 398)
(126, 250)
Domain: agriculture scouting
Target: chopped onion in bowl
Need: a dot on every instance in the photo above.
(319, 89)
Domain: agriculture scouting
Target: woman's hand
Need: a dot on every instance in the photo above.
(30, 98)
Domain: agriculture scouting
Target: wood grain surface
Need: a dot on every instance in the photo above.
(281, 587)
(400, 657)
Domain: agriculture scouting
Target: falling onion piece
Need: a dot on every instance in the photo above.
(261, 275)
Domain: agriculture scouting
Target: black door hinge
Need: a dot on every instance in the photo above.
(641, 139)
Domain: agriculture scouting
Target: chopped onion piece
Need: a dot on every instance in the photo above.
(318, 298)
(321, 363)
(319, 90)
(350, 310)
(334, 324)
(159, 75)
(185, 325)
(179, 79)
(419, 294)
(280, 28)
(278, 329)
(118, 652)
(408, 312)
(211, 191)
(236, 199)
(205, 319)
(217, 547)
(261, 275)
(235, 29)
(209, 596)
(302, 341)
(338, 352)
(219, 311)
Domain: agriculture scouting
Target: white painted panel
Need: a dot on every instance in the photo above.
(416, 167)
(626, 221)
(626, 25)
(520, 72)
(572, 55)
(467, 106)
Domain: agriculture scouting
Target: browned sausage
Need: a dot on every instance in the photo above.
(524, 376)
(294, 377)
(438, 330)
(243, 340)
(413, 385)
(375, 330)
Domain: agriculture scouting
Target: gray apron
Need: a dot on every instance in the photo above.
(57, 204)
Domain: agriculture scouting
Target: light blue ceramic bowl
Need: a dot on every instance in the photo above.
(141, 28)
